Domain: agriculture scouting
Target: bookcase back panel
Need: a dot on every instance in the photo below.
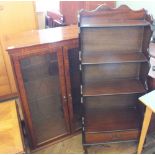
(99, 120)
(118, 39)
(110, 102)
(102, 72)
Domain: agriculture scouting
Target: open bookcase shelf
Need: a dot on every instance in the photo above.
(113, 23)
(113, 72)
(123, 86)
(96, 120)
(100, 58)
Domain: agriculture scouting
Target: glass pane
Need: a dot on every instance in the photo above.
(41, 80)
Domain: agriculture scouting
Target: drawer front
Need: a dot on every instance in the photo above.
(112, 136)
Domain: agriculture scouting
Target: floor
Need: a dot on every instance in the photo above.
(73, 146)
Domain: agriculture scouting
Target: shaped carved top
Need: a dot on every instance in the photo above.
(122, 12)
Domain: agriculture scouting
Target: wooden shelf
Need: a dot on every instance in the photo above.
(113, 23)
(101, 58)
(118, 119)
(122, 86)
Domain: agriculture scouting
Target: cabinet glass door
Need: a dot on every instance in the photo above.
(41, 78)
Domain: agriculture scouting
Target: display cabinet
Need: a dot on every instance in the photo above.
(41, 83)
(114, 68)
(45, 69)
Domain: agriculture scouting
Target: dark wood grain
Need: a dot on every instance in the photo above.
(106, 12)
(71, 61)
(118, 119)
(103, 138)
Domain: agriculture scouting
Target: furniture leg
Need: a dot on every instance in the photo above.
(145, 126)
(85, 149)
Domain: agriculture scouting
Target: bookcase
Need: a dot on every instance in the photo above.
(114, 66)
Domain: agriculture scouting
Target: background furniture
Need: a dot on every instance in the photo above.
(54, 19)
(113, 72)
(149, 101)
(70, 9)
(15, 17)
(10, 129)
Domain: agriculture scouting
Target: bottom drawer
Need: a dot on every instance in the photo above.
(91, 138)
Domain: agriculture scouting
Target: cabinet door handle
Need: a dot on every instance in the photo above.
(65, 99)
(70, 96)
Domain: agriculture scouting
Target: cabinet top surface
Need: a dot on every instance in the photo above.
(44, 36)
(10, 136)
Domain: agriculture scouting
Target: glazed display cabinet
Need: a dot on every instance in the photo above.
(41, 83)
(45, 75)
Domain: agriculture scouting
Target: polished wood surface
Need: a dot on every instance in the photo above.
(39, 37)
(10, 132)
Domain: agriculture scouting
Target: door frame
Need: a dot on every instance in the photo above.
(27, 52)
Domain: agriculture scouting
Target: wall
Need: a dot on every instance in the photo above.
(41, 20)
(148, 5)
(42, 7)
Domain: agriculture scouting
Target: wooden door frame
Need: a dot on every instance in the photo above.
(22, 53)
(66, 49)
